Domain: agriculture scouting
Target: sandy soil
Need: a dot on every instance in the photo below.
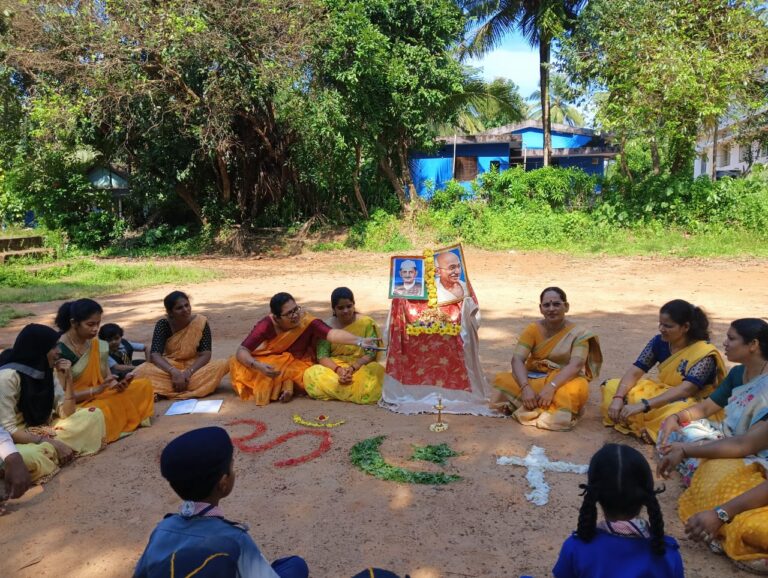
(94, 518)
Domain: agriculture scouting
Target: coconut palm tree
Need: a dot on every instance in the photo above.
(561, 100)
(540, 21)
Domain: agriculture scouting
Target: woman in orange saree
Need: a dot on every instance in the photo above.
(272, 360)
(552, 365)
(180, 364)
(126, 404)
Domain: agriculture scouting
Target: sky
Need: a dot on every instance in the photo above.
(513, 59)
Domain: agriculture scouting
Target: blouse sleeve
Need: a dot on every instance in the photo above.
(10, 389)
(262, 331)
(526, 341)
(580, 349)
(702, 372)
(647, 358)
(723, 392)
(323, 349)
(160, 336)
(319, 328)
(206, 341)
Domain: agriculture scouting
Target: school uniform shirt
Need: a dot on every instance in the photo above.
(609, 556)
(176, 532)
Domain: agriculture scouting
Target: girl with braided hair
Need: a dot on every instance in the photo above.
(623, 544)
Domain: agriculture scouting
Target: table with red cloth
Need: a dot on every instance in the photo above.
(421, 369)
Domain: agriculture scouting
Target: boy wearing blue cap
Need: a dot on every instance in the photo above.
(198, 466)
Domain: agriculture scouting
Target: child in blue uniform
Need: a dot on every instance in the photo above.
(624, 544)
(198, 466)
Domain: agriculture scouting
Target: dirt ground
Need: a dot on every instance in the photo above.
(94, 518)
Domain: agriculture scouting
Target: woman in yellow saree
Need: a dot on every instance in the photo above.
(689, 369)
(552, 365)
(272, 360)
(723, 462)
(127, 403)
(346, 372)
(180, 364)
(40, 412)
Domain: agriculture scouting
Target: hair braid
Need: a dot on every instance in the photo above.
(657, 525)
(587, 517)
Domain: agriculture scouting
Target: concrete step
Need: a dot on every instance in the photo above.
(19, 243)
(35, 252)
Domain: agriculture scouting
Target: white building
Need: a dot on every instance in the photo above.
(730, 158)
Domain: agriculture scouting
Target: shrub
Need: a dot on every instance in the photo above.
(381, 232)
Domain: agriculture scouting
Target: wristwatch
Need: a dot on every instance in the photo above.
(723, 515)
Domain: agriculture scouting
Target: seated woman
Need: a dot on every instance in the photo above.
(346, 372)
(552, 365)
(711, 455)
(689, 368)
(41, 416)
(272, 360)
(180, 360)
(126, 403)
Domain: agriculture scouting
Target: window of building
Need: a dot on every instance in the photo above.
(703, 163)
(465, 169)
(724, 155)
(744, 152)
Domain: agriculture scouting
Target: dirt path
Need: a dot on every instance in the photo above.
(94, 518)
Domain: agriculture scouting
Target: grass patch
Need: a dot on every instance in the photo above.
(8, 314)
(86, 278)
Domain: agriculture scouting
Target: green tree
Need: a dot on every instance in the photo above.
(542, 22)
(668, 68)
(562, 99)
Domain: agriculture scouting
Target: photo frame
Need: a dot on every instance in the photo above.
(451, 278)
(406, 278)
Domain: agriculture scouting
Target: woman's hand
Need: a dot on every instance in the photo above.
(123, 384)
(673, 455)
(614, 410)
(66, 454)
(368, 342)
(62, 365)
(267, 369)
(546, 395)
(179, 380)
(703, 526)
(669, 425)
(629, 410)
(530, 399)
(345, 375)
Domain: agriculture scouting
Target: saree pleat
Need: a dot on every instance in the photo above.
(84, 431)
(549, 357)
(647, 425)
(181, 352)
(123, 411)
(323, 383)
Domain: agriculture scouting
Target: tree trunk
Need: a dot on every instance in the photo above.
(356, 182)
(184, 192)
(546, 121)
(713, 168)
(226, 183)
(623, 161)
(389, 172)
(655, 158)
(407, 180)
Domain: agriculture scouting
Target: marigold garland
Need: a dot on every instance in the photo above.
(367, 457)
(320, 423)
(259, 428)
(429, 277)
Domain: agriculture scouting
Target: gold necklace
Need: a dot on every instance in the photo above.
(79, 351)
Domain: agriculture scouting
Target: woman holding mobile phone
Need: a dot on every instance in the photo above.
(127, 403)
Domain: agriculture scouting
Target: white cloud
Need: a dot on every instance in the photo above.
(521, 66)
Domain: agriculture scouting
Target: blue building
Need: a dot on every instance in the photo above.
(465, 157)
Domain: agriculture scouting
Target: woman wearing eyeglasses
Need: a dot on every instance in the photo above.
(271, 361)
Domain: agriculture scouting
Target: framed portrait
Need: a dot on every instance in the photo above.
(406, 278)
(451, 280)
